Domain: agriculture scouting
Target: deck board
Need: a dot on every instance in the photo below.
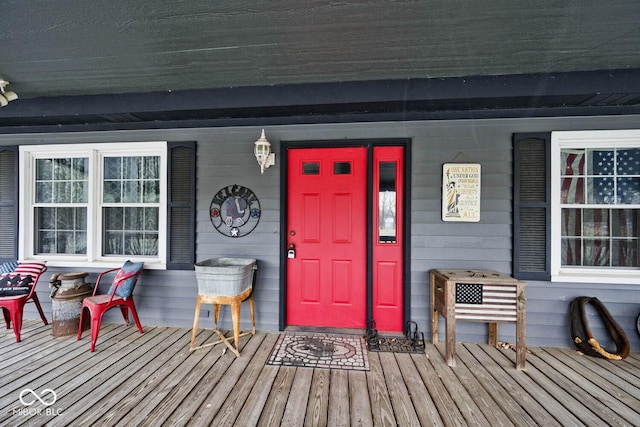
(587, 396)
(276, 403)
(318, 403)
(237, 399)
(471, 382)
(62, 372)
(295, 412)
(105, 385)
(152, 379)
(513, 403)
(180, 394)
(158, 391)
(403, 409)
(381, 408)
(126, 399)
(561, 389)
(615, 373)
(616, 399)
(538, 403)
(360, 413)
(455, 389)
(214, 387)
(250, 414)
(446, 407)
(338, 411)
(426, 410)
(100, 384)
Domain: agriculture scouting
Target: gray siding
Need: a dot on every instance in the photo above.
(225, 157)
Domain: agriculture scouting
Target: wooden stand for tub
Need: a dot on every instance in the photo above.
(492, 297)
(234, 302)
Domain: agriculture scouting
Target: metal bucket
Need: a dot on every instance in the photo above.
(225, 276)
(66, 302)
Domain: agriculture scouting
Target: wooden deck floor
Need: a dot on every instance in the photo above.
(151, 379)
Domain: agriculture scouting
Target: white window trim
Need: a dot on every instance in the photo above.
(582, 139)
(95, 152)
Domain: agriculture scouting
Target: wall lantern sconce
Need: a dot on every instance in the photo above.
(263, 153)
(6, 96)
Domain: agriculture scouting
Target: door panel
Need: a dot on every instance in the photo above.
(326, 281)
(342, 219)
(311, 279)
(386, 273)
(311, 217)
(341, 294)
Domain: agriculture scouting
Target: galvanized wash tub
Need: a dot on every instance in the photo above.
(225, 276)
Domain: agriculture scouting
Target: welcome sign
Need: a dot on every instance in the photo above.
(461, 192)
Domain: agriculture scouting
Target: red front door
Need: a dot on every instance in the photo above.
(327, 208)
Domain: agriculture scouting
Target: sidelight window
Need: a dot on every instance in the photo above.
(387, 202)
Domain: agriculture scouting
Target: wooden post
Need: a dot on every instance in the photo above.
(434, 312)
(492, 334)
(195, 323)
(450, 320)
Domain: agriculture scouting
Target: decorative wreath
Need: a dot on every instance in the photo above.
(582, 336)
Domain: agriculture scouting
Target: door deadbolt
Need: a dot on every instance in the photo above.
(291, 253)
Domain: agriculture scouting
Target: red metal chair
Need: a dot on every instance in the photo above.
(13, 306)
(120, 294)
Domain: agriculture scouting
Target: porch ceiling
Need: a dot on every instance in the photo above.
(79, 63)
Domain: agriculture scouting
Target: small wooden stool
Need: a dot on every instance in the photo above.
(234, 301)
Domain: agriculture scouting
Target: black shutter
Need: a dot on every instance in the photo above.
(181, 205)
(531, 206)
(8, 203)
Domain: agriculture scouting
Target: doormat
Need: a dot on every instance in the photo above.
(396, 345)
(320, 351)
(412, 342)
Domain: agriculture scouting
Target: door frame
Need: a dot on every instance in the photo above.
(369, 144)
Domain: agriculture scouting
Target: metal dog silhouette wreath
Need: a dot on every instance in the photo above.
(235, 211)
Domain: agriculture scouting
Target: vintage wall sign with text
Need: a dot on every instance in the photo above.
(461, 192)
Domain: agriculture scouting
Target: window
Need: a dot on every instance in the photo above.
(595, 194)
(387, 202)
(342, 168)
(311, 168)
(130, 205)
(94, 203)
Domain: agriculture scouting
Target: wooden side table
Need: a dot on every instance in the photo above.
(477, 296)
